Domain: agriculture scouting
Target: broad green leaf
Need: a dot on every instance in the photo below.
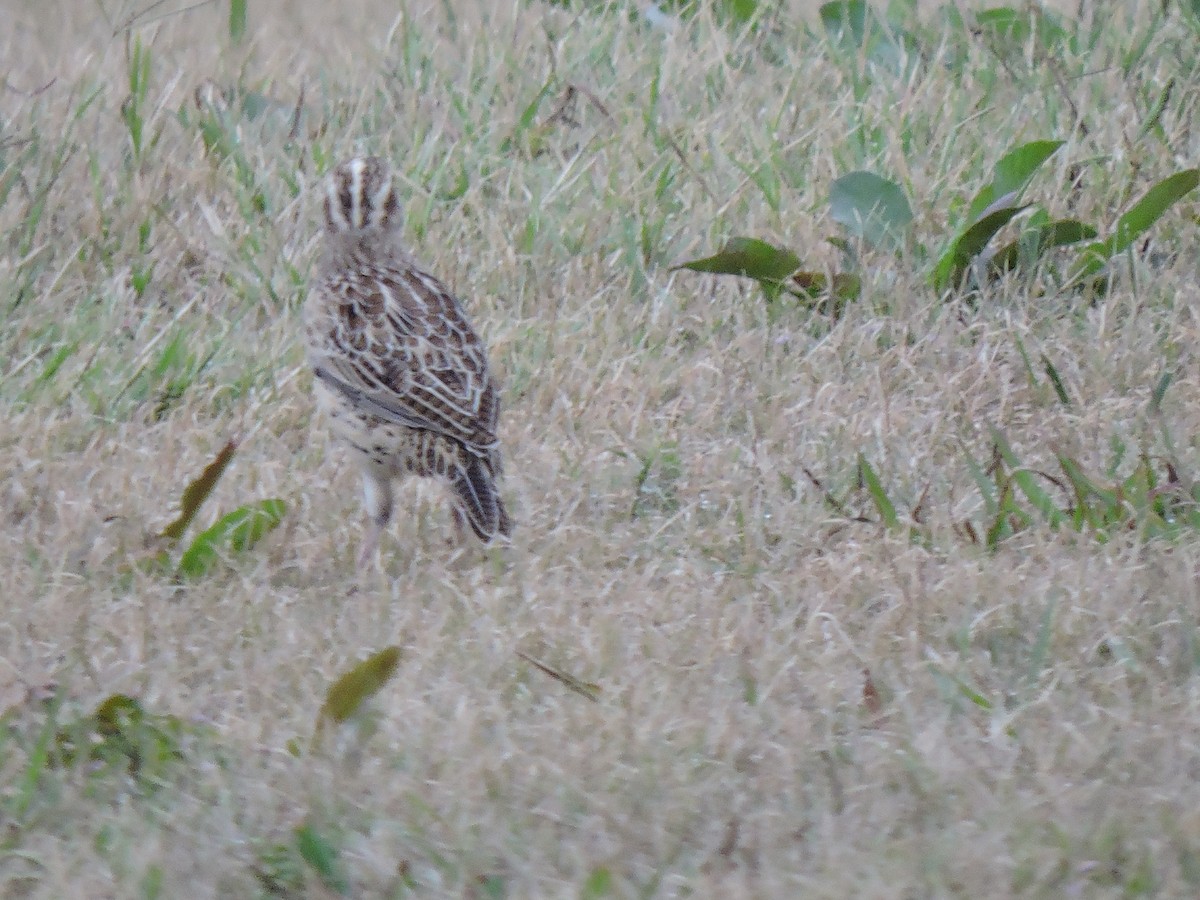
(1136, 221)
(1018, 26)
(750, 257)
(1016, 167)
(351, 690)
(991, 209)
(196, 492)
(238, 531)
(871, 207)
(1004, 21)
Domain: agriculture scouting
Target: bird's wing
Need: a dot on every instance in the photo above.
(399, 346)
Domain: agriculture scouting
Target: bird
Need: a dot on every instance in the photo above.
(397, 366)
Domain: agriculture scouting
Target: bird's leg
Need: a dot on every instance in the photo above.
(377, 497)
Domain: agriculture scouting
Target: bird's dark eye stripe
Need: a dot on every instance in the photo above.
(346, 201)
(390, 206)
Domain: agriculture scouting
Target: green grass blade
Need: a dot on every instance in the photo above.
(1041, 646)
(885, 507)
(39, 759)
(1043, 502)
(1153, 119)
(1097, 506)
(1059, 388)
(987, 487)
(1003, 450)
(1160, 390)
(237, 20)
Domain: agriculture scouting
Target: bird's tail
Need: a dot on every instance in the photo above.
(475, 487)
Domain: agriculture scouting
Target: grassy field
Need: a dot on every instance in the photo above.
(897, 603)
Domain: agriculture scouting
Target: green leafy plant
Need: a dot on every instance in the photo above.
(1153, 500)
(236, 532)
(120, 735)
(993, 207)
(283, 868)
(321, 854)
(1133, 223)
(876, 210)
(999, 203)
(133, 110)
(778, 271)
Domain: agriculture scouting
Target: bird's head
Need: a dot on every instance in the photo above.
(360, 198)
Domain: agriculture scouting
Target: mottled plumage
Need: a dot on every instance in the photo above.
(402, 374)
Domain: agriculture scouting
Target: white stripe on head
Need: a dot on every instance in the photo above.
(355, 167)
(379, 200)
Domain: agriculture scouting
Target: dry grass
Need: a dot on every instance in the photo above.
(727, 614)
